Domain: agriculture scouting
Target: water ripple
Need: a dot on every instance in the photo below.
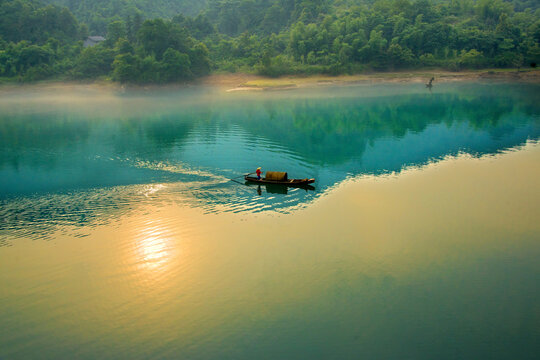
(43, 216)
(65, 171)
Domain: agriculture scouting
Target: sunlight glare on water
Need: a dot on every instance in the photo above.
(153, 246)
(127, 230)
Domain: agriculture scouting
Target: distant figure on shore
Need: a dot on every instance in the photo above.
(258, 172)
(429, 85)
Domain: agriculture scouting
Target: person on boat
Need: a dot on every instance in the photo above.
(258, 172)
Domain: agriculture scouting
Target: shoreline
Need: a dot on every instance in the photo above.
(260, 83)
(234, 82)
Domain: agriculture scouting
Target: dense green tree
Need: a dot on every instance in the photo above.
(175, 66)
(198, 27)
(471, 59)
(399, 56)
(200, 62)
(183, 39)
(125, 67)
(158, 35)
(115, 31)
(99, 13)
(94, 61)
(30, 20)
(133, 24)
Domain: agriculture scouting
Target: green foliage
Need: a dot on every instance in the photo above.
(175, 66)
(99, 13)
(94, 61)
(156, 36)
(27, 61)
(116, 31)
(199, 27)
(341, 36)
(129, 68)
(125, 67)
(471, 59)
(29, 20)
(199, 60)
(165, 53)
(399, 56)
(277, 66)
(234, 17)
(269, 37)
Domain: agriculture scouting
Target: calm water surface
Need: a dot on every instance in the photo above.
(123, 236)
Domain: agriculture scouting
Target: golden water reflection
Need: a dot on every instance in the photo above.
(154, 245)
(439, 249)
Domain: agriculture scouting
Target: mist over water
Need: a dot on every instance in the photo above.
(83, 156)
(123, 236)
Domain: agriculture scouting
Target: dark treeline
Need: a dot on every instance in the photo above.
(98, 14)
(39, 41)
(173, 40)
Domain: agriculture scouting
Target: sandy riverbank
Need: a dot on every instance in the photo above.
(249, 82)
(246, 82)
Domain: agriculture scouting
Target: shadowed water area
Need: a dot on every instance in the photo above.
(123, 236)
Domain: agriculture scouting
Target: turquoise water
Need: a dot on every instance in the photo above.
(80, 170)
(65, 162)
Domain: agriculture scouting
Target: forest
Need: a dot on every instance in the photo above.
(166, 41)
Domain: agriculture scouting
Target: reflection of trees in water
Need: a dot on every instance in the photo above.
(152, 137)
(50, 136)
(324, 131)
(337, 130)
(39, 141)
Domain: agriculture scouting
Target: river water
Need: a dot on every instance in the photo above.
(123, 236)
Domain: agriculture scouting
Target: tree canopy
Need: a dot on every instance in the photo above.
(174, 40)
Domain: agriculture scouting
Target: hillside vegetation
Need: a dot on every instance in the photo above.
(173, 40)
(97, 14)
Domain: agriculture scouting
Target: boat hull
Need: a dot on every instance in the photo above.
(291, 182)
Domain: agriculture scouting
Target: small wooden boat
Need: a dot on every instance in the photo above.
(287, 182)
